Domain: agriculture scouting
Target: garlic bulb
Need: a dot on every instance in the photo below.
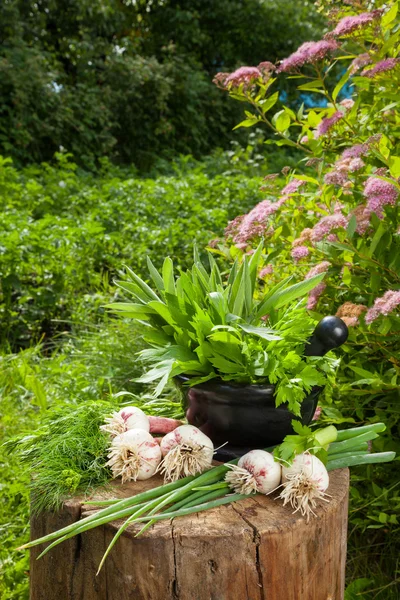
(134, 455)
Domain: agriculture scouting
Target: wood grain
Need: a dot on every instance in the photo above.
(255, 549)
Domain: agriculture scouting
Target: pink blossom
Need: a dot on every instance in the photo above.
(309, 52)
(317, 269)
(356, 164)
(381, 67)
(304, 139)
(268, 270)
(350, 24)
(327, 224)
(347, 103)
(314, 295)
(266, 66)
(292, 187)
(363, 217)
(332, 237)
(300, 252)
(336, 177)
(383, 306)
(253, 224)
(327, 123)
(355, 151)
(317, 413)
(244, 75)
(214, 243)
(358, 63)
(378, 194)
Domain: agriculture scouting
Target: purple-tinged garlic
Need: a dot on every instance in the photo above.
(134, 455)
(186, 451)
(256, 471)
(129, 417)
(304, 482)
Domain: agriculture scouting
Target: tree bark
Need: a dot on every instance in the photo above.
(255, 549)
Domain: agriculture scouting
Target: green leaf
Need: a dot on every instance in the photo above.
(285, 296)
(263, 332)
(155, 275)
(168, 276)
(375, 240)
(390, 16)
(267, 104)
(351, 227)
(142, 285)
(281, 121)
(343, 80)
(247, 123)
(311, 85)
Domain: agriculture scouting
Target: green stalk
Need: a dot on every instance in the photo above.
(350, 443)
(353, 461)
(206, 497)
(123, 507)
(346, 434)
(197, 508)
(355, 452)
(326, 436)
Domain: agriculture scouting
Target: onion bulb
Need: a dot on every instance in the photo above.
(256, 471)
(134, 455)
(129, 417)
(186, 451)
(304, 482)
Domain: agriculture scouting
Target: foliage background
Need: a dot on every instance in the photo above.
(122, 147)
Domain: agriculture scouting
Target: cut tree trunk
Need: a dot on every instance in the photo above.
(254, 549)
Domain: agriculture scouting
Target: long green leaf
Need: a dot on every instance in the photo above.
(285, 296)
(143, 286)
(168, 276)
(263, 332)
(155, 275)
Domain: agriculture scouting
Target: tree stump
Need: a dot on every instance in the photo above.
(255, 549)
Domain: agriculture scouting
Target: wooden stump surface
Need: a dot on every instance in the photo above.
(254, 549)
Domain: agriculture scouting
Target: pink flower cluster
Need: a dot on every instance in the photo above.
(315, 294)
(292, 187)
(347, 103)
(342, 167)
(383, 306)
(268, 270)
(300, 252)
(309, 52)
(388, 64)
(327, 123)
(327, 224)
(351, 24)
(358, 63)
(378, 194)
(317, 269)
(355, 151)
(253, 224)
(245, 75)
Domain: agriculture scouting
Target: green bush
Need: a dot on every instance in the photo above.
(130, 80)
(65, 234)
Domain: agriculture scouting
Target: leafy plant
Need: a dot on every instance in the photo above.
(212, 324)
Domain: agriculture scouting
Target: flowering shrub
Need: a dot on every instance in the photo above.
(342, 216)
(339, 210)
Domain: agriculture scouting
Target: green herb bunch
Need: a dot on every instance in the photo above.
(67, 454)
(212, 325)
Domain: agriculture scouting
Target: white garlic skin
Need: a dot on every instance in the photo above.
(311, 466)
(134, 418)
(265, 470)
(190, 435)
(146, 446)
